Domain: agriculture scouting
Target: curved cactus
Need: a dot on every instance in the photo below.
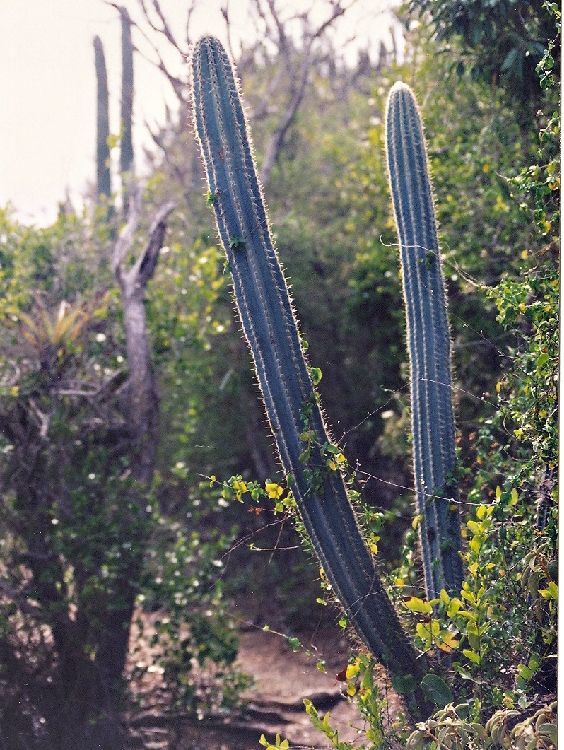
(271, 330)
(428, 342)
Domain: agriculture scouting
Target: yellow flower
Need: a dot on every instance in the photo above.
(352, 671)
(239, 487)
(273, 490)
(486, 168)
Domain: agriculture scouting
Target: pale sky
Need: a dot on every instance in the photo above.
(47, 123)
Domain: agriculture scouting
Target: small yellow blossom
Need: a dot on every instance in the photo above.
(239, 487)
(352, 671)
(273, 490)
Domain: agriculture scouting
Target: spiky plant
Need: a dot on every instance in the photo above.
(126, 155)
(291, 403)
(428, 343)
(103, 174)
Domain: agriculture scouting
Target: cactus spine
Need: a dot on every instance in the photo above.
(103, 174)
(270, 327)
(428, 342)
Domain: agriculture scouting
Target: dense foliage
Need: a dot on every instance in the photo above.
(495, 643)
(77, 530)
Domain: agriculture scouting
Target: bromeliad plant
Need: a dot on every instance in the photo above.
(309, 457)
(428, 343)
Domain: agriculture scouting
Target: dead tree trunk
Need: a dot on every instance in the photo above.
(142, 398)
(142, 417)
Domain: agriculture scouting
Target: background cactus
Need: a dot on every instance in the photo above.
(293, 410)
(126, 155)
(428, 342)
(103, 174)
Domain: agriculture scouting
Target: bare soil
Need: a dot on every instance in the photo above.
(282, 679)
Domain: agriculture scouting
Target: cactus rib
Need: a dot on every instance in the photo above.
(428, 341)
(270, 327)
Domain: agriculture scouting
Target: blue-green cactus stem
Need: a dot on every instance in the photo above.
(271, 330)
(428, 340)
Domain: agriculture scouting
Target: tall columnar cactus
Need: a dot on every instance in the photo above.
(126, 155)
(428, 342)
(103, 174)
(272, 333)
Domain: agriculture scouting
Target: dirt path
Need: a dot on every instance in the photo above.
(274, 704)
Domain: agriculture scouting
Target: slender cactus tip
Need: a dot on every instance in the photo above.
(206, 41)
(399, 86)
(428, 340)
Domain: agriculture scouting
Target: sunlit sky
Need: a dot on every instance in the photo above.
(47, 121)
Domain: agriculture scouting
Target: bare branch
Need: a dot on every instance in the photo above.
(178, 85)
(147, 16)
(225, 13)
(189, 13)
(297, 90)
(167, 31)
(145, 266)
(266, 106)
(338, 11)
(124, 242)
(143, 269)
(279, 135)
(101, 393)
(159, 141)
(262, 15)
(282, 37)
(42, 418)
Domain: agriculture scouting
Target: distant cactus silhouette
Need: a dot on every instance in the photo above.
(291, 404)
(428, 341)
(103, 174)
(126, 155)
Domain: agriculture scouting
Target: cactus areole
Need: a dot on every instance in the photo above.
(428, 341)
(271, 330)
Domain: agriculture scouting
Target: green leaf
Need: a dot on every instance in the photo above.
(542, 359)
(316, 375)
(418, 605)
(437, 689)
(471, 655)
(404, 684)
